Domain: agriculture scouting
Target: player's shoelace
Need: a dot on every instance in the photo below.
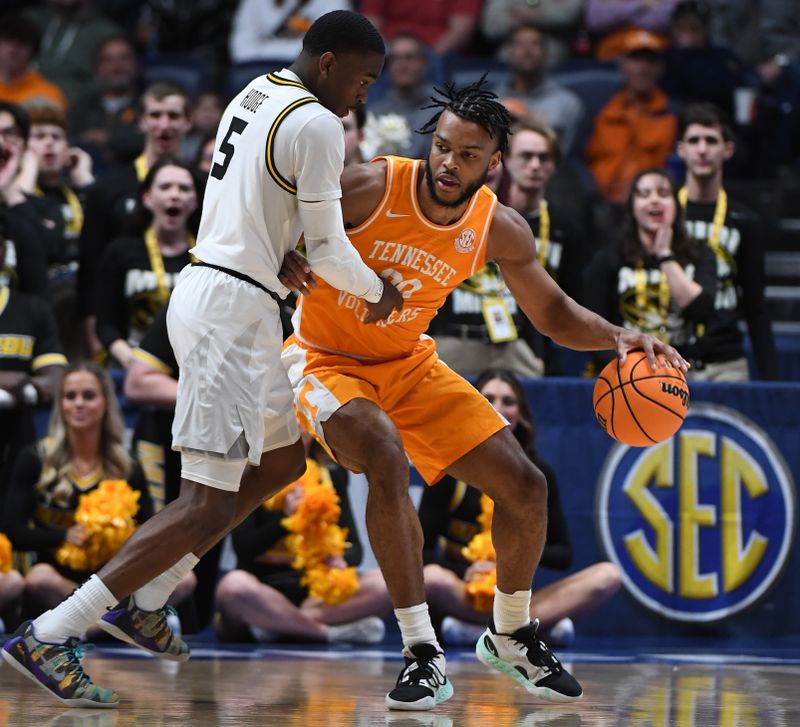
(537, 651)
(73, 653)
(420, 671)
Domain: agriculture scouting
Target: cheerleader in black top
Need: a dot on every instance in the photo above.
(83, 448)
(449, 513)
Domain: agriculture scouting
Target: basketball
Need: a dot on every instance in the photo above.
(638, 406)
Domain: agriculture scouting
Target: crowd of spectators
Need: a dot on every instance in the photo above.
(108, 115)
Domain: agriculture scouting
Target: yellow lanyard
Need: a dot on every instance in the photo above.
(141, 166)
(74, 224)
(544, 232)
(720, 211)
(640, 289)
(157, 262)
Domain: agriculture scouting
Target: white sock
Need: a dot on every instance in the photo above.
(77, 613)
(154, 595)
(415, 626)
(511, 611)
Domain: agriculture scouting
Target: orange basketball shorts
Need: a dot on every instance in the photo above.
(440, 416)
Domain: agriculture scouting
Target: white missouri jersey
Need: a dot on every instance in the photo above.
(275, 144)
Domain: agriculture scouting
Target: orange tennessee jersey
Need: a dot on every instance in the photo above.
(425, 261)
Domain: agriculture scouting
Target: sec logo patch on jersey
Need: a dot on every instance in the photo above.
(701, 525)
(465, 242)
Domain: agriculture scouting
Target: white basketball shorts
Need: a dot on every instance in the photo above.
(234, 399)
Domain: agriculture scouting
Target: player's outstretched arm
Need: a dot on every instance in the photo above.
(552, 311)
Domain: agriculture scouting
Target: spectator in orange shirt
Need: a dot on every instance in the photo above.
(19, 83)
(636, 128)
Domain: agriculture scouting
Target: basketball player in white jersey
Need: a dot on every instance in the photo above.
(279, 156)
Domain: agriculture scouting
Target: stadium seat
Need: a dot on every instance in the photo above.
(188, 72)
(594, 87)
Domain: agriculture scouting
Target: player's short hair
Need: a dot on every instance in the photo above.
(159, 90)
(22, 119)
(472, 103)
(705, 114)
(47, 116)
(528, 123)
(342, 31)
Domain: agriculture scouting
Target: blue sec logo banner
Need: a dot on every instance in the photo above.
(700, 525)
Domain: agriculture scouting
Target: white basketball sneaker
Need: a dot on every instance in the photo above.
(525, 658)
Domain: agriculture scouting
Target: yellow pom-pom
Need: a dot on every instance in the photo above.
(315, 537)
(107, 515)
(5, 553)
(480, 587)
(330, 585)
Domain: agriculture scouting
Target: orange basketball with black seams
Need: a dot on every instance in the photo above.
(637, 405)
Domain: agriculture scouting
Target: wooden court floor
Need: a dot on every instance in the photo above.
(334, 689)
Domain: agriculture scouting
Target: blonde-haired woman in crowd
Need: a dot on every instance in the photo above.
(84, 447)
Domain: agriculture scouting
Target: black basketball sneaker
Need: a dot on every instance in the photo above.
(422, 684)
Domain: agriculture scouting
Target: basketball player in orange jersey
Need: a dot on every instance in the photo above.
(372, 394)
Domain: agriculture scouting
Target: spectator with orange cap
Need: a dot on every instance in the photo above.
(611, 22)
(636, 128)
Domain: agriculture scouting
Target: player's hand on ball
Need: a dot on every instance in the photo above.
(296, 275)
(631, 340)
(391, 300)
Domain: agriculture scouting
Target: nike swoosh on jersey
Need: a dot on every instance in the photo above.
(389, 213)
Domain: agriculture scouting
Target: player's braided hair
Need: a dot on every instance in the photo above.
(472, 103)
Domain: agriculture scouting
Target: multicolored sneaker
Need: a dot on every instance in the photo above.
(56, 667)
(422, 684)
(148, 630)
(525, 658)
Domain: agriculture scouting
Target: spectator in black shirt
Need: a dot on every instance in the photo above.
(449, 514)
(112, 201)
(105, 121)
(656, 279)
(695, 69)
(735, 235)
(56, 176)
(137, 274)
(30, 367)
(24, 262)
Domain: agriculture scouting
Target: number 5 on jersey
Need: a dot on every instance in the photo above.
(227, 148)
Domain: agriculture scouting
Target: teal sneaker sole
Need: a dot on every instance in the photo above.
(486, 657)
